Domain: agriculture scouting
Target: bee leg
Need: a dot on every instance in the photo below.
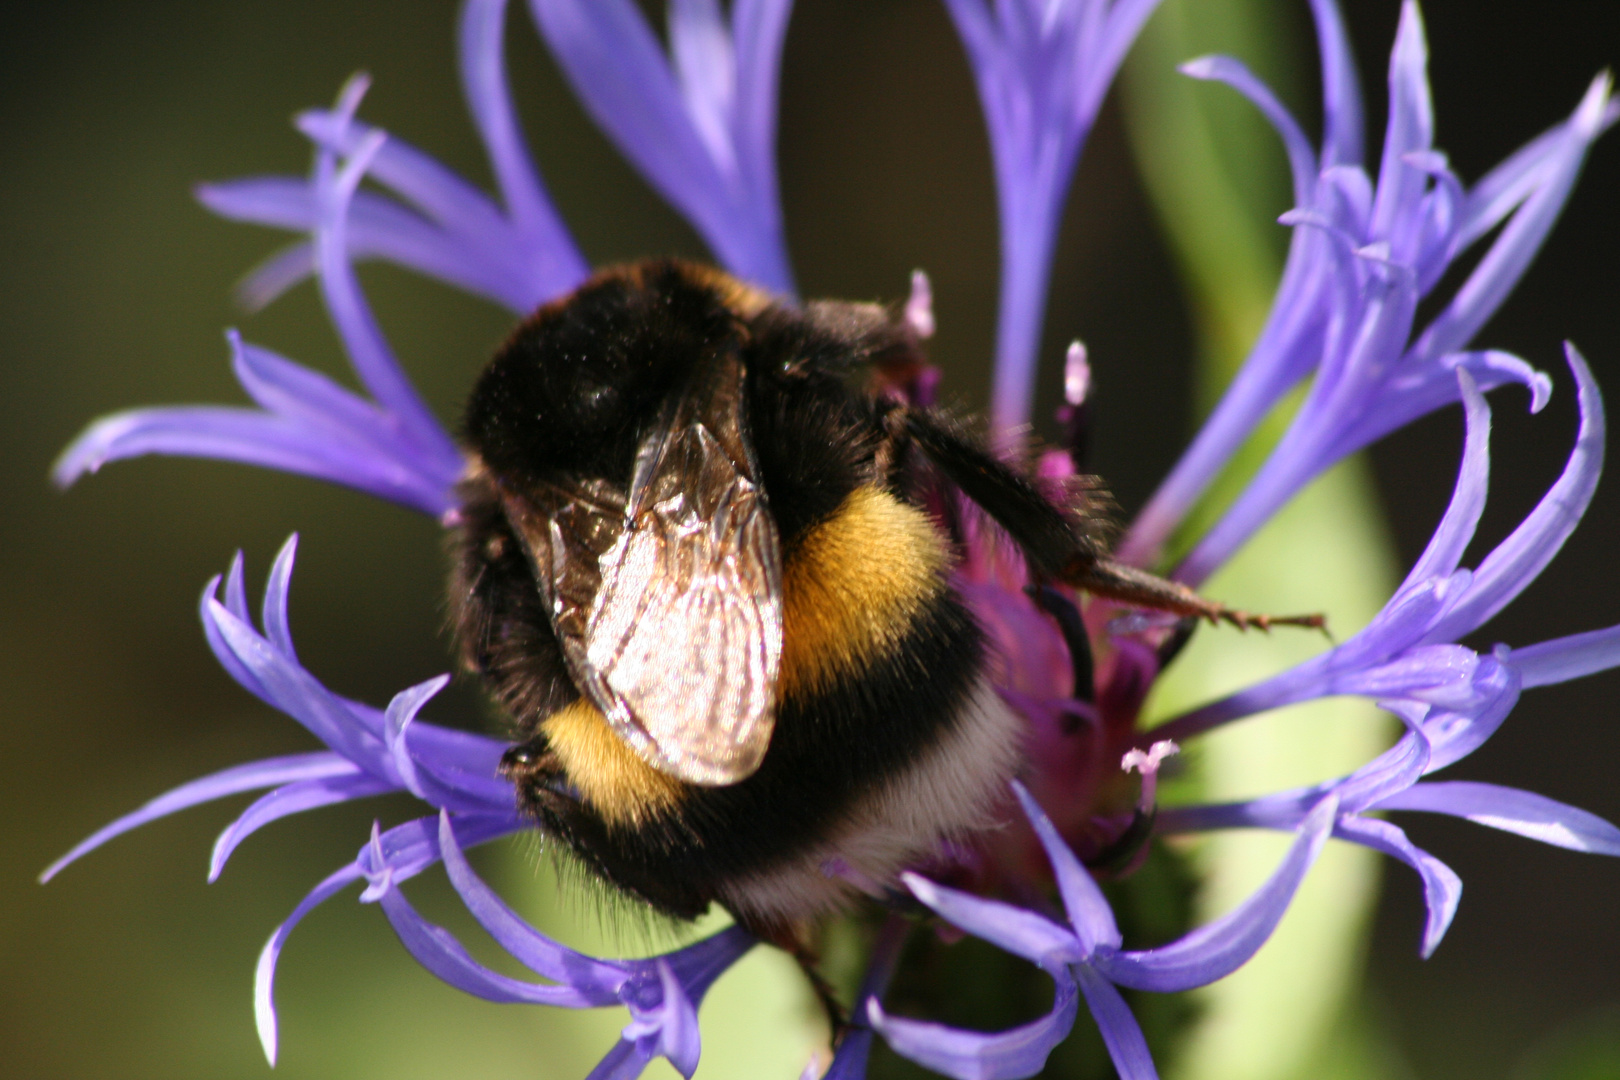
(1050, 538)
(1138, 588)
(1073, 629)
(1053, 541)
(837, 1018)
(524, 759)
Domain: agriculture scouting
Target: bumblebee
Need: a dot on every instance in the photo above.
(695, 567)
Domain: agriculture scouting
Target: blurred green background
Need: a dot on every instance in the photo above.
(116, 290)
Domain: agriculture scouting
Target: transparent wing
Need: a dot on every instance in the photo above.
(670, 611)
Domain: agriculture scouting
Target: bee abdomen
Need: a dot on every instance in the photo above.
(888, 738)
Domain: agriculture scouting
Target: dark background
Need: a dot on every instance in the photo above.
(115, 289)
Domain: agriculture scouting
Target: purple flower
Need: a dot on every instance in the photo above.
(703, 134)
(1085, 956)
(699, 122)
(1450, 698)
(389, 445)
(703, 131)
(377, 752)
(1364, 253)
(1042, 69)
(661, 993)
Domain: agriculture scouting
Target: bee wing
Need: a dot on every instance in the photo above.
(670, 611)
(685, 636)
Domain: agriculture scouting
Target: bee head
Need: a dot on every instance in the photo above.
(580, 385)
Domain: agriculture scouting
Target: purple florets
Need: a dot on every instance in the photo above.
(699, 121)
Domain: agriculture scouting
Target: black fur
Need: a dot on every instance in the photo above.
(826, 752)
(501, 625)
(1050, 539)
(575, 388)
(570, 396)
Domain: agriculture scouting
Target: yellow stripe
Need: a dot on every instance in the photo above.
(850, 593)
(853, 588)
(611, 777)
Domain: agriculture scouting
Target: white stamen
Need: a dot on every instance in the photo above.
(1076, 374)
(1147, 763)
(920, 306)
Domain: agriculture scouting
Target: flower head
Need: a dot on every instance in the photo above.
(1365, 252)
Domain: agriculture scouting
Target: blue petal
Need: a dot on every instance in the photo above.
(253, 776)
(1301, 157)
(972, 1055)
(706, 67)
(235, 587)
(528, 946)
(849, 1061)
(1015, 929)
(402, 709)
(1395, 770)
(1089, 913)
(313, 402)
(437, 192)
(558, 264)
(247, 436)
(379, 228)
(1282, 811)
(1424, 386)
(1505, 263)
(1284, 353)
(1517, 560)
(273, 614)
(264, 973)
(1402, 621)
(464, 762)
(1215, 951)
(1566, 658)
(1386, 302)
(674, 1024)
(1517, 178)
(1455, 735)
(1442, 888)
(410, 848)
(1456, 529)
(351, 315)
(698, 965)
(622, 77)
(436, 949)
(1120, 1031)
(1411, 126)
(1341, 89)
(758, 30)
(625, 1061)
(1521, 812)
(295, 692)
(235, 601)
(1041, 75)
(294, 798)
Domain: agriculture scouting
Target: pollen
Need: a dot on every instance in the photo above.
(854, 587)
(608, 774)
